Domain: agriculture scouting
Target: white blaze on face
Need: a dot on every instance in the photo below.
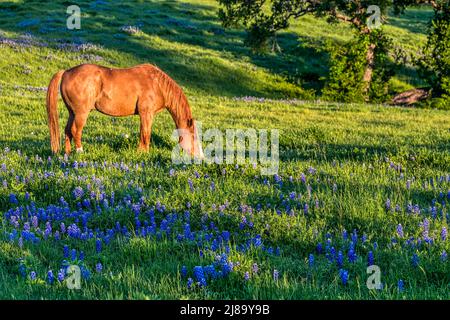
(186, 140)
(190, 142)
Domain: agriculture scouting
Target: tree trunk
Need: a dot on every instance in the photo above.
(370, 64)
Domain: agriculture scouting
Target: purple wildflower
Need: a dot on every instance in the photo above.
(400, 230)
(78, 193)
(276, 275)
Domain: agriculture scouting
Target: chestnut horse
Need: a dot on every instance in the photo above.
(142, 90)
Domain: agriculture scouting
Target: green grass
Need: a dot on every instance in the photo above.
(355, 149)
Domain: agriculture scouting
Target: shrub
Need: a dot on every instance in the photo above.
(348, 64)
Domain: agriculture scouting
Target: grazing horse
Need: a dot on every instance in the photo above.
(142, 90)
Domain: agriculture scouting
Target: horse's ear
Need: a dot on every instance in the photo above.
(190, 122)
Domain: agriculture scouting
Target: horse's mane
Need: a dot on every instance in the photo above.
(175, 99)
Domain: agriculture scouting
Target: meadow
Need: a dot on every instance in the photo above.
(358, 184)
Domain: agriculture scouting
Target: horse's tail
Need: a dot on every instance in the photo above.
(52, 111)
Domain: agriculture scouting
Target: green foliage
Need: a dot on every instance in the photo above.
(348, 65)
(347, 69)
(435, 60)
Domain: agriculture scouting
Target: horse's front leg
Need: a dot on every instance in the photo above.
(146, 130)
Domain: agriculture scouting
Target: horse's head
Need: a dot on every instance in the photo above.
(190, 141)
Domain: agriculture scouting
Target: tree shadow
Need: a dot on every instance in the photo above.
(414, 20)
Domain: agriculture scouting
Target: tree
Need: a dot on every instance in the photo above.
(435, 60)
(263, 18)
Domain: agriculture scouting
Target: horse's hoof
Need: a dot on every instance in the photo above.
(79, 150)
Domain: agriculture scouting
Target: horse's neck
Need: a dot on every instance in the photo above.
(178, 105)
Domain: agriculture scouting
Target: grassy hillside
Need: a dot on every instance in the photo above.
(186, 39)
(357, 185)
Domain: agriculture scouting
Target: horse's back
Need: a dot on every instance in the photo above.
(109, 90)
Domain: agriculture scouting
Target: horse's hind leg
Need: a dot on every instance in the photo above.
(78, 125)
(68, 132)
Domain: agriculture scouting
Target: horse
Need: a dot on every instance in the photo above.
(142, 90)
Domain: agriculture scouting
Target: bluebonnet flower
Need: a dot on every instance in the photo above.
(48, 229)
(85, 273)
(73, 255)
(400, 231)
(98, 245)
(444, 256)
(200, 276)
(344, 234)
(388, 204)
(50, 277)
(276, 275)
(184, 271)
(370, 259)
(98, 267)
(226, 268)
(226, 236)
(33, 275)
(400, 285)
(257, 241)
(247, 276)
(444, 233)
(66, 251)
(354, 236)
(81, 256)
(302, 177)
(78, 193)
(190, 282)
(343, 274)
(35, 222)
(306, 208)
(22, 270)
(255, 268)
(61, 275)
(319, 248)
(13, 199)
(311, 260)
(191, 185)
(340, 259)
(352, 257)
